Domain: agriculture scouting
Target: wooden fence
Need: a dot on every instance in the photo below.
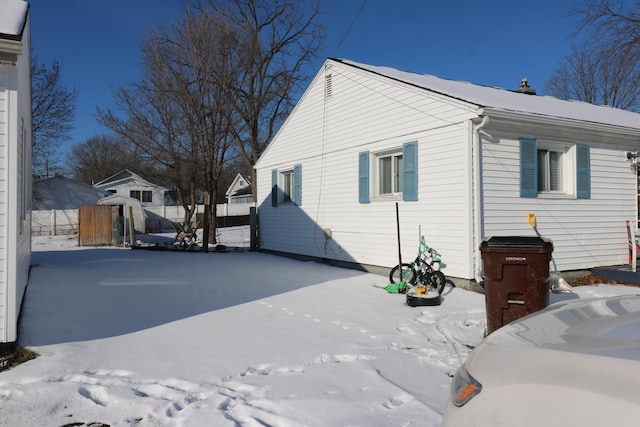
(96, 225)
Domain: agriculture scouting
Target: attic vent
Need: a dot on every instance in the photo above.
(328, 88)
(525, 88)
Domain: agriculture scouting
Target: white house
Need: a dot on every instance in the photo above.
(463, 162)
(15, 174)
(129, 184)
(240, 191)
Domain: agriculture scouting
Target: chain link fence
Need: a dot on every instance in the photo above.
(239, 236)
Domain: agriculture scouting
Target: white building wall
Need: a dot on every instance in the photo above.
(4, 77)
(586, 233)
(369, 113)
(157, 194)
(15, 188)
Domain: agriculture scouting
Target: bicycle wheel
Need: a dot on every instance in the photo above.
(407, 274)
(435, 281)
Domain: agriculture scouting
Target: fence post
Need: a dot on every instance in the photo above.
(205, 223)
(253, 224)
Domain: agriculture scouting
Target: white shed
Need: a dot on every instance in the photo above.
(124, 203)
(464, 162)
(15, 175)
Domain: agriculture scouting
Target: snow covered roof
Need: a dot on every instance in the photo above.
(64, 193)
(240, 183)
(125, 176)
(499, 99)
(13, 18)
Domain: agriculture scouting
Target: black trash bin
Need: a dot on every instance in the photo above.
(516, 277)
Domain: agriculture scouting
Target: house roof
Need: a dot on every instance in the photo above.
(64, 193)
(240, 185)
(123, 177)
(13, 19)
(502, 100)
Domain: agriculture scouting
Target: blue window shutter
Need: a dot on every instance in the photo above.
(363, 177)
(297, 184)
(583, 172)
(274, 187)
(528, 168)
(410, 171)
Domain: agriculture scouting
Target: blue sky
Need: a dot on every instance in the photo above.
(492, 42)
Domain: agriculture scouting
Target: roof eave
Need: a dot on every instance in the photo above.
(11, 43)
(560, 121)
(10, 49)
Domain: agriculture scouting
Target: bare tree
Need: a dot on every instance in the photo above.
(101, 156)
(178, 114)
(278, 39)
(614, 24)
(605, 77)
(605, 68)
(53, 107)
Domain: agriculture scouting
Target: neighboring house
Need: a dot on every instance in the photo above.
(462, 162)
(129, 184)
(240, 191)
(61, 193)
(15, 173)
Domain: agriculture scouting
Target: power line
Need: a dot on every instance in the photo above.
(364, 3)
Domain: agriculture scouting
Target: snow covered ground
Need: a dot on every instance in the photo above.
(149, 338)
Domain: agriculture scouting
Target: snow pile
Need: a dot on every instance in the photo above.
(151, 338)
(12, 18)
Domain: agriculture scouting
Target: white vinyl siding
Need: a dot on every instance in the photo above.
(368, 114)
(586, 232)
(376, 115)
(15, 188)
(3, 204)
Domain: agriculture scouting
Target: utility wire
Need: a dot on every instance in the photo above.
(364, 3)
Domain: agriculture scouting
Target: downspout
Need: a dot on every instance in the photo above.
(477, 198)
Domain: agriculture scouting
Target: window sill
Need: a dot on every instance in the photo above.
(389, 198)
(556, 196)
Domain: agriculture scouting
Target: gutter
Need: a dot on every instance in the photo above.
(477, 197)
(538, 119)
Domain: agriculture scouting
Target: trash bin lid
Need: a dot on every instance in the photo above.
(534, 242)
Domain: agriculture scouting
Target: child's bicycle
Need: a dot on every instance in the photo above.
(421, 271)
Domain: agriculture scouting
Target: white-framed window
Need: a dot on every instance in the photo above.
(389, 171)
(551, 171)
(392, 174)
(286, 186)
(144, 196)
(286, 177)
(554, 168)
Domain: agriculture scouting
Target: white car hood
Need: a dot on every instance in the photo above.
(608, 327)
(572, 364)
(588, 346)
